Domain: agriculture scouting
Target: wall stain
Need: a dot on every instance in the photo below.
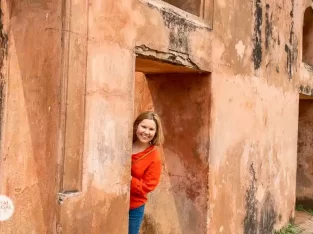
(277, 69)
(148, 225)
(179, 30)
(179, 27)
(3, 55)
(257, 37)
(251, 218)
(268, 215)
(268, 26)
(289, 60)
(291, 49)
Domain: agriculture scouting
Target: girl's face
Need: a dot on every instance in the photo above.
(146, 131)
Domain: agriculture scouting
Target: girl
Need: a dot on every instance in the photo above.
(146, 165)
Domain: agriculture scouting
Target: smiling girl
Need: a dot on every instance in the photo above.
(146, 165)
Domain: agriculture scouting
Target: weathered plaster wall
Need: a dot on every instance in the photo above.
(115, 28)
(253, 155)
(253, 137)
(30, 127)
(253, 56)
(305, 154)
(183, 103)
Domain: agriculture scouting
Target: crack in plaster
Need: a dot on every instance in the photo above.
(308, 67)
(170, 57)
(67, 194)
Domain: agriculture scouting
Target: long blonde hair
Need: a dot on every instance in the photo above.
(158, 138)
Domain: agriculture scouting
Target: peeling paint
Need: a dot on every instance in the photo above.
(172, 57)
(240, 48)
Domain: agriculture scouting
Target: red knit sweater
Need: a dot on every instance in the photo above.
(146, 172)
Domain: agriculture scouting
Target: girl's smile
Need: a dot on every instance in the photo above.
(146, 131)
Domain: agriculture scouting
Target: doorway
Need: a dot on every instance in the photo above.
(181, 97)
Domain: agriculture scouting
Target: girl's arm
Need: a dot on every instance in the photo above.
(149, 181)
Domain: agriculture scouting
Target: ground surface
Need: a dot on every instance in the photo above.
(304, 222)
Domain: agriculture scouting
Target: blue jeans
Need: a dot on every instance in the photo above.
(135, 219)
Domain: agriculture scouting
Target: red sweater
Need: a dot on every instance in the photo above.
(146, 172)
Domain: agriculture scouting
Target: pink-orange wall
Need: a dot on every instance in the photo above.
(30, 119)
(241, 122)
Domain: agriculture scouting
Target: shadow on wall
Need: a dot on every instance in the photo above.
(304, 191)
(179, 204)
(307, 48)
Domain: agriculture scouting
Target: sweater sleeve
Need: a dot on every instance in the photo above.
(149, 181)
